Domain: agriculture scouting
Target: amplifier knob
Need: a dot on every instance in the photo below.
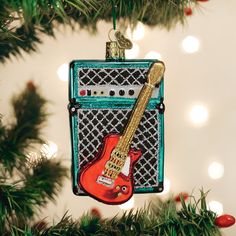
(131, 92)
(122, 92)
(112, 92)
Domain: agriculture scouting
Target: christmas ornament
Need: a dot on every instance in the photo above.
(118, 145)
(224, 221)
(188, 11)
(109, 177)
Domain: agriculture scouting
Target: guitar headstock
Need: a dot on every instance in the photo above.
(155, 73)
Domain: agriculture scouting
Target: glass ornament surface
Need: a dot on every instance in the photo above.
(102, 95)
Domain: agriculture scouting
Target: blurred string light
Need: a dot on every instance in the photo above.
(167, 186)
(132, 53)
(216, 207)
(32, 159)
(198, 114)
(153, 55)
(190, 44)
(63, 72)
(128, 205)
(216, 170)
(137, 33)
(49, 149)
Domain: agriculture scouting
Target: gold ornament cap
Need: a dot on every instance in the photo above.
(114, 52)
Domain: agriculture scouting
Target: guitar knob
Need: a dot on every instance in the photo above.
(117, 187)
(124, 189)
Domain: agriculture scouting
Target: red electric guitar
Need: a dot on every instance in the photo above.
(109, 177)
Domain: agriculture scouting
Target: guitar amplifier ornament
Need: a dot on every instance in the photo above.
(117, 125)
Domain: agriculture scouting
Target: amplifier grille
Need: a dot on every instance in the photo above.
(112, 76)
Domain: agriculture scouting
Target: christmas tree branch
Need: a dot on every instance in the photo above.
(22, 22)
(27, 182)
(159, 218)
(46, 178)
(30, 115)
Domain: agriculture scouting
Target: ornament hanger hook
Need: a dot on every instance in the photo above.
(110, 35)
(114, 7)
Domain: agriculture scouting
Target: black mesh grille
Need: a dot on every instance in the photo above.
(112, 76)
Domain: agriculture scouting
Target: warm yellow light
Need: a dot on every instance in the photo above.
(138, 32)
(153, 55)
(198, 115)
(216, 170)
(127, 205)
(32, 159)
(190, 44)
(132, 53)
(63, 72)
(49, 149)
(217, 207)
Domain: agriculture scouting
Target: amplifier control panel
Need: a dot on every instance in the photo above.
(113, 91)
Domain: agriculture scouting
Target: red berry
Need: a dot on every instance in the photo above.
(184, 196)
(96, 213)
(188, 11)
(224, 221)
(30, 85)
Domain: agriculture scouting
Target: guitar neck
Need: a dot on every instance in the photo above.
(135, 118)
(120, 153)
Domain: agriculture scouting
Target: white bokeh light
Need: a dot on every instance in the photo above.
(132, 53)
(198, 114)
(167, 186)
(216, 206)
(190, 44)
(32, 159)
(138, 32)
(63, 72)
(49, 149)
(128, 205)
(153, 55)
(216, 170)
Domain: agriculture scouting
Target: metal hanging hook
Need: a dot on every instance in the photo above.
(114, 8)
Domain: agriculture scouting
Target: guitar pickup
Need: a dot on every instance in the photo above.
(105, 181)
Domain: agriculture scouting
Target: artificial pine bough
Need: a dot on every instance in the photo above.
(23, 21)
(26, 185)
(159, 218)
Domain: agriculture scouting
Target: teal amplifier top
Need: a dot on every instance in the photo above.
(102, 95)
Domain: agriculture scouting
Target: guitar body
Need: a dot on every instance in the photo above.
(93, 181)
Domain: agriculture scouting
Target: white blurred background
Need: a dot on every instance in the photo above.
(200, 98)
